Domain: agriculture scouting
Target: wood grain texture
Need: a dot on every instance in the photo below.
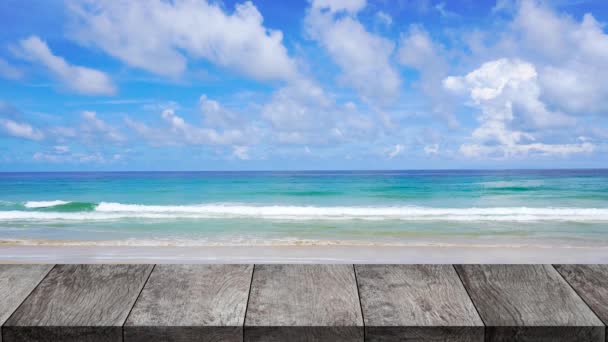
(303, 303)
(529, 303)
(191, 303)
(416, 303)
(16, 283)
(78, 303)
(591, 283)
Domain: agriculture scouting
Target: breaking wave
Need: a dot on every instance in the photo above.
(84, 211)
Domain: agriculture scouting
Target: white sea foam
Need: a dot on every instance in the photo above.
(116, 211)
(44, 204)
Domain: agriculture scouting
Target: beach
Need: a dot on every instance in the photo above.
(330, 216)
(304, 254)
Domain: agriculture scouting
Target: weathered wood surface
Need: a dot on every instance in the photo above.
(416, 303)
(78, 303)
(529, 303)
(191, 303)
(16, 283)
(591, 283)
(303, 303)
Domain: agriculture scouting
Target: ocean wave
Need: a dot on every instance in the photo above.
(60, 206)
(117, 211)
(44, 204)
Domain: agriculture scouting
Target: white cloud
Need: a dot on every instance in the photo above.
(575, 56)
(217, 115)
(77, 78)
(62, 133)
(384, 18)
(432, 149)
(507, 94)
(155, 136)
(395, 151)
(241, 152)
(297, 106)
(363, 57)
(61, 149)
(197, 135)
(93, 128)
(178, 131)
(475, 150)
(352, 6)
(158, 36)
(303, 113)
(570, 55)
(20, 129)
(417, 50)
(9, 71)
(66, 157)
(443, 11)
(504, 6)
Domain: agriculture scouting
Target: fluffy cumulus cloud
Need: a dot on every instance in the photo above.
(364, 57)
(507, 95)
(573, 54)
(159, 36)
(77, 78)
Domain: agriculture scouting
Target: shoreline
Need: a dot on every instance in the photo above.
(303, 254)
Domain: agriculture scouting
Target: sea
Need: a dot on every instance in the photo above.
(369, 208)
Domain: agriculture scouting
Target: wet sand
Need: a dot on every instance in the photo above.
(301, 254)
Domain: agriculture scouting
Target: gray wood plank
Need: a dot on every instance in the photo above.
(303, 303)
(16, 283)
(191, 303)
(529, 303)
(416, 303)
(78, 303)
(591, 283)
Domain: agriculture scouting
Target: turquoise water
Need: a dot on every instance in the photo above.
(567, 207)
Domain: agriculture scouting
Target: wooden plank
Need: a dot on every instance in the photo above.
(303, 303)
(591, 283)
(78, 303)
(529, 303)
(191, 303)
(16, 283)
(416, 303)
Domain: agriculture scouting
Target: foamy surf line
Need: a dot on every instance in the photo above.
(44, 204)
(119, 211)
(281, 243)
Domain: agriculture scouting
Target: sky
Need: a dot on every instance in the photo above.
(299, 85)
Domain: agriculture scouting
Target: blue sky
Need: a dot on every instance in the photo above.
(322, 84)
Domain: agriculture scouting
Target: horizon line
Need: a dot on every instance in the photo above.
(317, 170)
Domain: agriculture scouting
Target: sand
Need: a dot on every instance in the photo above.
(301, 254)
